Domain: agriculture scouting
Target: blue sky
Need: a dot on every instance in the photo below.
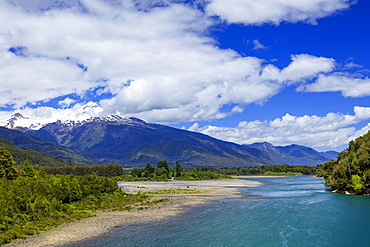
(247, 71)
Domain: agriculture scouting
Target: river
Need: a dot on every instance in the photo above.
(285, 211)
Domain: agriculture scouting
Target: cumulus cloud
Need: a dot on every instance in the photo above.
(303, 67)
(349, 86)
(159, 64)
(251, 12)
(322, 132)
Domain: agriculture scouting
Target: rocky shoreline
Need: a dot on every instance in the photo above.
(346, 192)
(105, 221)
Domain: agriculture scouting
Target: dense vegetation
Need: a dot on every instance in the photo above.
(164, 172)
(261, 170)
(351, 171)
(112, 170)
(32, 200)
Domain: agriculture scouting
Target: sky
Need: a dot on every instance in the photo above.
(281, 71)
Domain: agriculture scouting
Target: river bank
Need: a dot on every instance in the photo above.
(181, 193)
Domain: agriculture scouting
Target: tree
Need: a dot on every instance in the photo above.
(163, 164)
(28, 170)
(136, 172)
(7, 165)
(178, 169)
(351, 171)
(357, 184)
(149, 168)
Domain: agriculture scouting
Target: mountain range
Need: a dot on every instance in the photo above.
(92, 138)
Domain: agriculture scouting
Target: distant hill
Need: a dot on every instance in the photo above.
(295, 154)
(35, 158)
(21, 140)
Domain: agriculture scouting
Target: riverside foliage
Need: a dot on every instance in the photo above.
(261, 170)
(32, 201)
(351, 171)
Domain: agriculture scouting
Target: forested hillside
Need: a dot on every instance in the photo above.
(21, 140)
(32, 156)
(351, 171)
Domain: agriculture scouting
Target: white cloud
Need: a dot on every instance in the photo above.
(159, 64)
(66, 102)
(347, 85)
(351, 65)
(306, 66)
(25, 80)
(252, 12)
(322, 132)
(258, 45)
(303, 67)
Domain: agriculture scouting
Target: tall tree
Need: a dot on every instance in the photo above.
(7, 165)
(178, 169)
(164, 165)
(28, 170)
(149, 168)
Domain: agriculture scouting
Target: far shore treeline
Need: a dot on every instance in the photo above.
(164, 172)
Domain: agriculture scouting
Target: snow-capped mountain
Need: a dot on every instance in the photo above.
(87, 111)
(18, 121)
(91, 112)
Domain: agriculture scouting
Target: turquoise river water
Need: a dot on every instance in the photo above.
(290, 211)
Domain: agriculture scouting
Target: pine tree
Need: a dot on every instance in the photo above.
(7, 165)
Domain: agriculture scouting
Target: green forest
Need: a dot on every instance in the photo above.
(351, 171)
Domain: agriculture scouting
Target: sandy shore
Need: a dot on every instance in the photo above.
(262, 176)
(104, 221)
